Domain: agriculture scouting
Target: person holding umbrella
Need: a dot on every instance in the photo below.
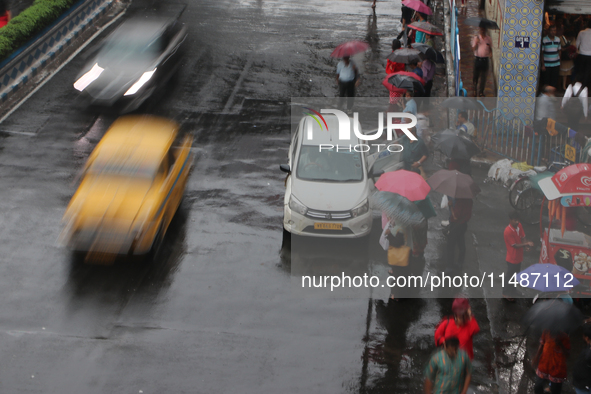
(460, 214)
(348, 80)
(392, 67)
(482, 47)
(515, 242)
(582, 369)
(347, 75)
(551, 362)
(420, 36)
(414, 154)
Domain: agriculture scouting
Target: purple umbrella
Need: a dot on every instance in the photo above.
(542, 277)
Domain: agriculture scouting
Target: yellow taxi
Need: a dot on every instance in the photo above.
(130, 189)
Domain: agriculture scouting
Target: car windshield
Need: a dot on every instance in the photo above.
(131, 49)
(329, 165)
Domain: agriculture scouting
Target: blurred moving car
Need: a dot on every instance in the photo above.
(133, 61)
(327, 190)
(130, 189)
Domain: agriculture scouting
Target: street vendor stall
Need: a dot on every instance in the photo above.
(562, 244)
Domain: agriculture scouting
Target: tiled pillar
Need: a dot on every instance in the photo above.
(520, 57)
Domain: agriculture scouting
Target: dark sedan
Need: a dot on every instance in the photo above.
(136, 59)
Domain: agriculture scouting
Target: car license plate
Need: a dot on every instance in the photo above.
(328, 226)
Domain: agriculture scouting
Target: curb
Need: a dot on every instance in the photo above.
(33, 62)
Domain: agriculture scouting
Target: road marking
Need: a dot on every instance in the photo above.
(52, 74)
(230, 101)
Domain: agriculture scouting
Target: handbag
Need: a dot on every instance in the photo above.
(398, 256)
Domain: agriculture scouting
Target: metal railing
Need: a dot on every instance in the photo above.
(511, 137)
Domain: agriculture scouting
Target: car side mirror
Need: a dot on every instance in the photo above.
(285, 168)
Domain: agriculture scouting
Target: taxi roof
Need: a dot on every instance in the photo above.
(137, 136)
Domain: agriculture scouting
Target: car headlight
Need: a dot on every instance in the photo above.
(141, 82)
(360, 209)
(88, 78)
(297, 206)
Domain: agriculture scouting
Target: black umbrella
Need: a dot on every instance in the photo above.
(553, 315)
(429, 52)
(481, 22)
(463, 103)
(406, 56)
(456, 147)
(408, 83)
(444, 134)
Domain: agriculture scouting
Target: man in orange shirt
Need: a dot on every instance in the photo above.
(515, 242)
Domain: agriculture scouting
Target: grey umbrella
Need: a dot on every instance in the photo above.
(454, 184)
(406, 56)
(463, 103)
(429, 52)
(553, 315)
(400, 209)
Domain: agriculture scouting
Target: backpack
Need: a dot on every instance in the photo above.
(574, 108)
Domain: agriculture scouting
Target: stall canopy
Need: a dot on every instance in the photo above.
(569, 6)
(572, 180)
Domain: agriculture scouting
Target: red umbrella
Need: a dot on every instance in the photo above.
(426, 27)
(350, 48)
(417, 5)
(406, 183)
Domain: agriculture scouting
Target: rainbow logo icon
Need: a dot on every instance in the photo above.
(315, 115)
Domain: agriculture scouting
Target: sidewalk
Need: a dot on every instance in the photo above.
(466, 53)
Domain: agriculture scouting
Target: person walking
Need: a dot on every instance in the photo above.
(414, 153)
(421, 37)
(463, 326)
(567, 63)
(551, 362)
(449, 371)
(347, 79)
(482, 47)
(398, 259)
(515, 242)
(551, 51)
(582, 368)
(428, 69)
(392, 67)
(460, 214)
(583, 61)
(575, 103)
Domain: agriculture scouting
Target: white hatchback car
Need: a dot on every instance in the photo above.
(327, 190)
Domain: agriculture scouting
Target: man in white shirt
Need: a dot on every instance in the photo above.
(545, 105)
(347, 79)
(584, 55)
(575, 104)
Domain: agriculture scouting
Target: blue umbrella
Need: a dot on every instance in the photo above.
(542, 277)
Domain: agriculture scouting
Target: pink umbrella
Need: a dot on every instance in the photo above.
(406, 183)
(417, 5)
(350, 48)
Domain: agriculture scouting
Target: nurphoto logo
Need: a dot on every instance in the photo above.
(344, 130)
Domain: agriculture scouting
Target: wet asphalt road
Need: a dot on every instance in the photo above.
(218, 312)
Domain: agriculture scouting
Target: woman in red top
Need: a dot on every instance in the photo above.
(392, 67)
(552, 355)
(463, 326)
(4, 13)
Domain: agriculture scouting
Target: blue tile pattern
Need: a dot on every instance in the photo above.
(20, 70)
(518, 77)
